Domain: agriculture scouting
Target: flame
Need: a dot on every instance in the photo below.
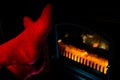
(83, 57)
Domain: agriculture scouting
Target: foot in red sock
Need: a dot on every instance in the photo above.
(24, 49)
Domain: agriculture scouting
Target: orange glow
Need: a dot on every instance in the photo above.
(85, 58)
(95, 44)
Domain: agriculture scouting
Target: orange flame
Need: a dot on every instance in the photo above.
(83, 57)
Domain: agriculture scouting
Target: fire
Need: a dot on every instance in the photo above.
(83, 57)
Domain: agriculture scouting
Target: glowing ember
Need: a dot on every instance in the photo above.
(83, 57)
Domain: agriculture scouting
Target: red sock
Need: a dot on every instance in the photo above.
(24, 49)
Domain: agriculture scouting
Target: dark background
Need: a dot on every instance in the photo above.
(102, 20)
